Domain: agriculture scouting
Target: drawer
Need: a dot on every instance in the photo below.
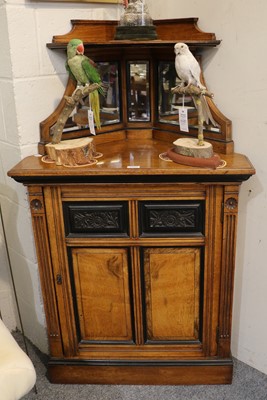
(171, 218)
(107, 219)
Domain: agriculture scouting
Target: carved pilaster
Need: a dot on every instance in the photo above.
(45, 267)
(230, 211)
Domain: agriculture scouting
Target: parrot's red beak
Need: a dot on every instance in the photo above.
(80, 49)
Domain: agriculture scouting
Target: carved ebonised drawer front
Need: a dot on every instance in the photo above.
(171, 218)
(96, 219)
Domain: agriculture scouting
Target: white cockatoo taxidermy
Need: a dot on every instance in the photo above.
(189, 72)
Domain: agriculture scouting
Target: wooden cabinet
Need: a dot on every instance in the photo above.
(136, 255)
(136, 272)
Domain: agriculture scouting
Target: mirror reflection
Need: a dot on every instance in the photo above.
(138, 93)
(109, 105)
(169, 103)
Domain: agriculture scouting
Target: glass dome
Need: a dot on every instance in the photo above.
(136, 23)
(136, 13)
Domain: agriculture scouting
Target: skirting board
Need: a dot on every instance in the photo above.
(174, 373)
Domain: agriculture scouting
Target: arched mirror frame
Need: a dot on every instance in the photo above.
(98, 37)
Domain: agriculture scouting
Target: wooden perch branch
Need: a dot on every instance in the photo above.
(198, 103)
(192, 91)
(71, 102)
(196, 93)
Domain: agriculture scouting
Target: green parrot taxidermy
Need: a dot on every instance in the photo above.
(83, 69)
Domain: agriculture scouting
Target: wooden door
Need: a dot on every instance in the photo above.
(172, 294)
(102, 295)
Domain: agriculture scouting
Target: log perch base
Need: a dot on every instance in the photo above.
(71, 153)
(187, 151)
(191, 147)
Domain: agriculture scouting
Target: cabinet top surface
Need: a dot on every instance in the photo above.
(131, 159)
(169, 31)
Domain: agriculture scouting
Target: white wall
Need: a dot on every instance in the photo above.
(32, 80)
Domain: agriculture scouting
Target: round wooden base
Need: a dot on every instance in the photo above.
(71, 153)
(190, 147)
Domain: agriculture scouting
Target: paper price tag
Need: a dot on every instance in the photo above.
(109, 95)
(91, 122)
(183, 119)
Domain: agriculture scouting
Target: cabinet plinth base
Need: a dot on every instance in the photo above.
(182, 373)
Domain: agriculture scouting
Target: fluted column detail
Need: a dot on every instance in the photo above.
(229, 219)
(37, 208)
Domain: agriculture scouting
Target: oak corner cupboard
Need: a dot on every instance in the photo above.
(136, 253)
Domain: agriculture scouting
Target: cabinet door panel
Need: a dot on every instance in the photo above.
(101, 285)
(172, 294)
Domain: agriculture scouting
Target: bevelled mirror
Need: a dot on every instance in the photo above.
(110, 104)
(138, 91)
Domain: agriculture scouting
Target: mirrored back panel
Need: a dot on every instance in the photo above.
(138, 91)
(138, 78)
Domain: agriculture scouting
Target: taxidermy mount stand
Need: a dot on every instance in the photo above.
(76, 152)
(194, 152)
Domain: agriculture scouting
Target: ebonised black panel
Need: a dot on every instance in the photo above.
(171, 218)
(96, 219)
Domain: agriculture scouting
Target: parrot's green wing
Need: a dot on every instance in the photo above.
(92, 74)
(90, 71)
